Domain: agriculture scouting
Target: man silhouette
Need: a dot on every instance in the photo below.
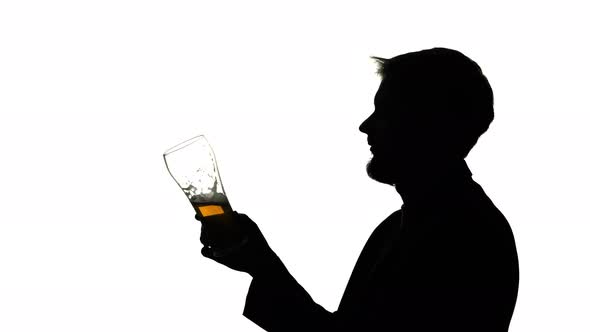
(445, 261)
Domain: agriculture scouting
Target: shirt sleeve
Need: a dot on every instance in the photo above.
(277, 302)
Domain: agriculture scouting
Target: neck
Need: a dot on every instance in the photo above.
(432, 183)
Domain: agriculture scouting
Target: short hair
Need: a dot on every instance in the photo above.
(447, 88)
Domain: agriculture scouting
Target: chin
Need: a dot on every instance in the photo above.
(381, 171)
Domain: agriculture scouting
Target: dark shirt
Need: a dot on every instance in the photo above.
(446, 261)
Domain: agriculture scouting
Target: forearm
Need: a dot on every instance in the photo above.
(276, 302)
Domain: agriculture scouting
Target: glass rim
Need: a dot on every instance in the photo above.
(185, 144)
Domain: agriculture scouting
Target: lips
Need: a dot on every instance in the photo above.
(372, 147)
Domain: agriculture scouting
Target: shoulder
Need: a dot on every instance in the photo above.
(385, 230)
(476, 234)
(382, 233)
(486, 221)
(389, 224)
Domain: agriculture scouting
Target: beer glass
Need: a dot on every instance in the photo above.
(193, 166)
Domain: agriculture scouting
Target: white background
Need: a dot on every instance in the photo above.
(96, 236)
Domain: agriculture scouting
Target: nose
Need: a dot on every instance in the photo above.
(364, 127)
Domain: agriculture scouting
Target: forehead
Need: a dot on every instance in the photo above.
(387, 93)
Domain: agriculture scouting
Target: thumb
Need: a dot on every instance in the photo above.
(244, 221)
(207, 252)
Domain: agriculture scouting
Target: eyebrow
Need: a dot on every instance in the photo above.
(375, 100)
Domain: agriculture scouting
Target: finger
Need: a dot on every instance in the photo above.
(207, 252)
(204, 239)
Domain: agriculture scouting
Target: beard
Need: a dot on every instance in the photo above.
(392, 168)
(382, 170)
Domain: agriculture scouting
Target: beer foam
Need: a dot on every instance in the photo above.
(198, 196)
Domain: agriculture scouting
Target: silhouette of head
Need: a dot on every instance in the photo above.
(430, 110)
